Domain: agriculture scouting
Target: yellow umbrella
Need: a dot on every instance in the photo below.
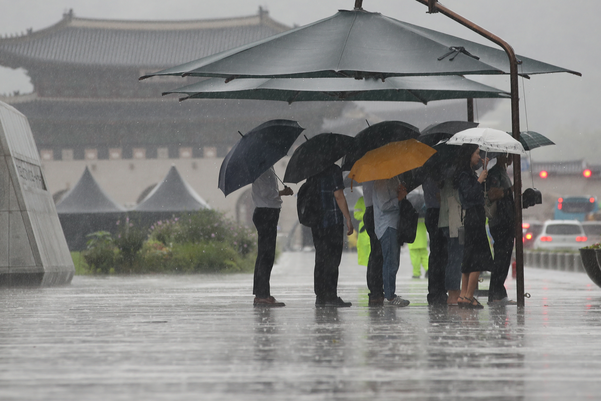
(390, 160)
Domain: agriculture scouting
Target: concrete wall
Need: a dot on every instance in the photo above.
(33, 250)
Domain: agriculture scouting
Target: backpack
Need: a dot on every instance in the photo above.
(308, 205)
(407, 227)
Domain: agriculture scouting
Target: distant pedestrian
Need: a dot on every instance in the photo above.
(328, 236)
(268, 202)
(363, 246)
(386, 197)
(476, 252)
(502, 228)
(418, 250)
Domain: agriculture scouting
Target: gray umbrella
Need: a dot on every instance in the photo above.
(357, 44)
(531, 140)
(398, 89)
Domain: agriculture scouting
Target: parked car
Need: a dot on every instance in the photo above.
(561, 234)
(530, 230)
(593, 231)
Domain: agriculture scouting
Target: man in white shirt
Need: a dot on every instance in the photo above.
(268, 202)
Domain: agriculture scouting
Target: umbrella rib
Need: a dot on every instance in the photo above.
(291, 99)
(346, 40)
(412, 93)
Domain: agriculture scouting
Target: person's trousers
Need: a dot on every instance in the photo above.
(328, 244)
(503, 236)
(374, 264)
(454, 258)
(419, 257)
(391, 253)
(437, 262)
(266, 222)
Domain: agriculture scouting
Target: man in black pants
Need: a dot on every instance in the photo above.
(328, 237)
(267, 199)
(502, 226)
(437, 260)
(375, 282)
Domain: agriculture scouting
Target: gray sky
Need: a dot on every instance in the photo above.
(561, 32)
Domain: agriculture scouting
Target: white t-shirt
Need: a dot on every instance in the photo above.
(265, 191)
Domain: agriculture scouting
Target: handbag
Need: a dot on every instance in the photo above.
(407, 225)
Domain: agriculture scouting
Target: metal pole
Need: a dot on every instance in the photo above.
(470, 110)
(434, 6)
(358, 4)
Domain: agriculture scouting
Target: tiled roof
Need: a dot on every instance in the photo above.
(136, 43)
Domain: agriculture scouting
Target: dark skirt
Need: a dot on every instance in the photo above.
(476, 251)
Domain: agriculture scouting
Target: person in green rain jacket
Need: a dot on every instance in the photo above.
(418, 249)
(363, 246)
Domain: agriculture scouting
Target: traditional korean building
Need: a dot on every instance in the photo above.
(88, 103)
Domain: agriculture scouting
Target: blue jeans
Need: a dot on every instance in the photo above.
(453, 268)
(391, 253)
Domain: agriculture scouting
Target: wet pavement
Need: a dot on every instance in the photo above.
(199, 338)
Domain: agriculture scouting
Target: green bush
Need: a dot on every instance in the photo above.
(129, 241)
(155, 257)
(100, 252)
(164, 231)
(203, 241)
(81, 267)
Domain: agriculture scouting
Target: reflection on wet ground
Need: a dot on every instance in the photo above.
(198, 337)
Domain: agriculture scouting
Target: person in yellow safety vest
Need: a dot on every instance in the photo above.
(363, 245)
(418, 249)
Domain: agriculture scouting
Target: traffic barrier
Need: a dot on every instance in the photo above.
(566, 261)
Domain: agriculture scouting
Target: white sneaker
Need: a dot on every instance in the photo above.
(397, 301)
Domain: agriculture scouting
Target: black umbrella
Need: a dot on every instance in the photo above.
(317, 154)
(257, 151)
(434, 133)
(378, 135)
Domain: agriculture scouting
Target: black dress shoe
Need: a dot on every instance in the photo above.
(337, 303)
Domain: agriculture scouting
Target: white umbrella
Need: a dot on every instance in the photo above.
(489, 140)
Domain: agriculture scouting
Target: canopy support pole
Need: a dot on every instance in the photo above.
(470, 110)
(434, 6)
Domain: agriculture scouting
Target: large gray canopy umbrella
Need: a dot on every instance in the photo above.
(397, 89)
(357, 44)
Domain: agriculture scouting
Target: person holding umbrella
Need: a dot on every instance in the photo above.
(268, 202)
(251, 160)
(386, 197)
(328, 236)
(476, 253)
(501, 228)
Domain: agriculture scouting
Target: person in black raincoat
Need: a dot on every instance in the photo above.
(502, 226)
